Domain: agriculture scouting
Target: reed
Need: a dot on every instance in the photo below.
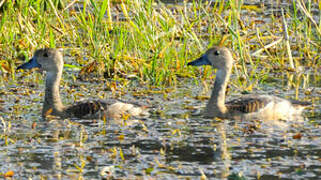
(153, 41)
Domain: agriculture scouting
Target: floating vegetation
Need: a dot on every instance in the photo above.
(137, 49)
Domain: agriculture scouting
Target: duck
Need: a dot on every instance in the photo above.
(252, 106)
(51, 61)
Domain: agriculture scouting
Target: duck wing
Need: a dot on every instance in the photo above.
(111, 108)
(248, 104)
(87, 109)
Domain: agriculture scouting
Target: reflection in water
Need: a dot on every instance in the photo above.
(171, 145)
(226, 156)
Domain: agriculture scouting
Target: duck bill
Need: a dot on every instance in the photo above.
(32, 63)
(200, 61)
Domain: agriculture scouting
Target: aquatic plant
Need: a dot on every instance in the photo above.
(152, 41)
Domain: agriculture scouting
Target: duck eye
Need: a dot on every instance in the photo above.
(45, 54)
(217, 52)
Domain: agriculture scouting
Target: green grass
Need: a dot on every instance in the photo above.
(151, 42)
(154, 41)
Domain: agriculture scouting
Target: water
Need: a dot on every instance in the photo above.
(172, 143)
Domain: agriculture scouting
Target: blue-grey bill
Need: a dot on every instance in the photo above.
(32, 63)
(200, 61)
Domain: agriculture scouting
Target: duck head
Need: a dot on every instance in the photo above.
(47, 59)
(217, 57)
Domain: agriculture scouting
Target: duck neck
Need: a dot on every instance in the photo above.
(52, 104)
(216, 105)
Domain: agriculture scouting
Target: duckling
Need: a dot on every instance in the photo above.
(246, 107)
(51, 61)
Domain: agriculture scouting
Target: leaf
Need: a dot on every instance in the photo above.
(176, 131)
(121, 154)
(114, 152)
(252, 8)
(297, 136)
(103, 10)
(203, 176)
(149, 170)
(125, 116)
(6, 67)
(48, 112)
(78, 168)
(121, 137)
(9, 174)
(145, 129)
(34, 125)
(249, 88)
(72, 66)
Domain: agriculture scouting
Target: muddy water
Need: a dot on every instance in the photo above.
(172, 143)
(175, 142)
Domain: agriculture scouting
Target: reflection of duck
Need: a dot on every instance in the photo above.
(51, 60)
(250, 106)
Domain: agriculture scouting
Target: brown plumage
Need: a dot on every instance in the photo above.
(83, 109)
(51, 61)
(247, 107)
